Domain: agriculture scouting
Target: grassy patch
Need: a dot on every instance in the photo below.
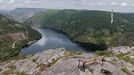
(42, 67)
(62, 49)
(132, 49)
(34, 59)
(113, 62)
(103, 53)
(11, 70)
(71, 54)
(12, 67)
(52, 62)
(21, 73)
(45, 66)
(132, 61)
(8, 72)
(124, 69)
(126, 58)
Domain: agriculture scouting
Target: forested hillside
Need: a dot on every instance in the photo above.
(39, 18)
(90, 26)
(11, 31)
(21, 14)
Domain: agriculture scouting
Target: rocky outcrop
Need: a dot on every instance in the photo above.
(60, 62)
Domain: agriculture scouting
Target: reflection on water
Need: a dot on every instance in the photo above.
(50, 39)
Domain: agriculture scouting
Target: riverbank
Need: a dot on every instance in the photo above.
(30, 43)
(49, 62)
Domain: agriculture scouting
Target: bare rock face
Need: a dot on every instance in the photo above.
(32, 64)
(60, 62)
(63, 67)
(121, 49)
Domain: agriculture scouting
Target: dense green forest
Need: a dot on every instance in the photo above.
(86, 26)
(11, 31)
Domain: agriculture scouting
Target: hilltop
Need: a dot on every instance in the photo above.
(61, 62)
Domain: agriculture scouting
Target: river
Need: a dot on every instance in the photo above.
(51, 39)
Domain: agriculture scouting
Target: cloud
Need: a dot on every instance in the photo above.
(1, 1)
(11, 1)
(69, 4)
(124, 4)
(101, 4)
(114, 3)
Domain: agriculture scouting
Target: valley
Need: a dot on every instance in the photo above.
(39, 41)
(90, 27)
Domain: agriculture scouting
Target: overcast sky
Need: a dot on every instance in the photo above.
(117, 5)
